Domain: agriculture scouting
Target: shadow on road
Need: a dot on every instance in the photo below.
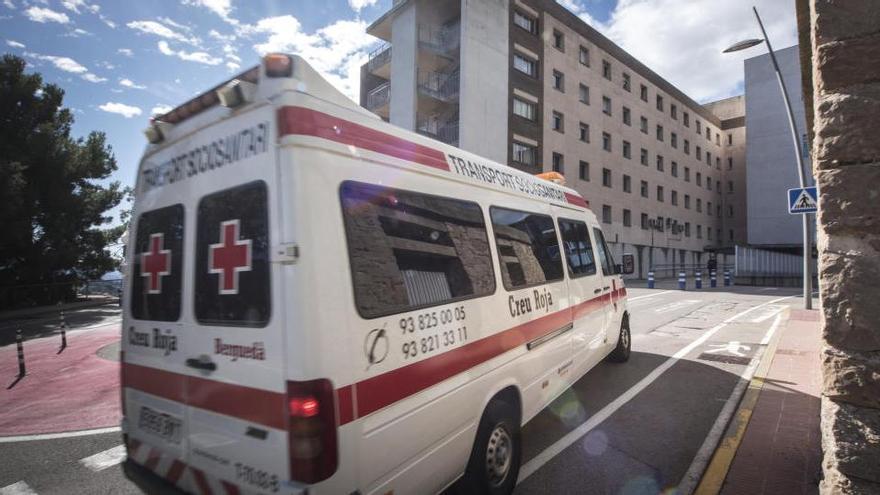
(46, 324)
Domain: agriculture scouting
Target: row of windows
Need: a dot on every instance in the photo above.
(410, 250)
(647, 223)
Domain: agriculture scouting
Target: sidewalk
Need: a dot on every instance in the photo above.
(779, 450)
(73, 390)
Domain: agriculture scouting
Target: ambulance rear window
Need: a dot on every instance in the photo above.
(232, 260)
(157, 265)
(410, 250)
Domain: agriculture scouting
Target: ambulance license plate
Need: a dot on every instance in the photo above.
(160, 424)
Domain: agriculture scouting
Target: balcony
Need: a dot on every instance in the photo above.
(379, 61)
(442, 40)
(378, 98)
(441, 130)
(442, 86)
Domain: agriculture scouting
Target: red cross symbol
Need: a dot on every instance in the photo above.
(156, 263)
(229, 257)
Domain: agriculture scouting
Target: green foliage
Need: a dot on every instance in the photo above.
(50, 183)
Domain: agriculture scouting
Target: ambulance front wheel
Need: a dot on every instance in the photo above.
(620, 354)
(494, 464)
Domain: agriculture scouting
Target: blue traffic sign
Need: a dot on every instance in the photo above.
(802, 200)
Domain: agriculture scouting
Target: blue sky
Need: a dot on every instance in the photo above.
(120, 61)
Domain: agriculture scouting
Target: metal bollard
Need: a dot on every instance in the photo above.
(698, 280)
(727, 278)
(712, 280)
(682, 281)
(21, 370)
(650, 280)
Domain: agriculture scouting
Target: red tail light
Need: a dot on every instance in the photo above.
(311, 430)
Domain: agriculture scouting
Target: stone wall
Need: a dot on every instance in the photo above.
(845, 36)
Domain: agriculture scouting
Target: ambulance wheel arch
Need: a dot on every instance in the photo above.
(497, 437)
(622, 348)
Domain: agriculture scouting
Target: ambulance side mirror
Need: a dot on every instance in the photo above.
(628, 266)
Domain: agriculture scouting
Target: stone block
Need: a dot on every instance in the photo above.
(851, 441)
(849, 199)
(846, 125)
(849, 271)
(852, 377)
(847, 63)
(836, 483)
(836, 20)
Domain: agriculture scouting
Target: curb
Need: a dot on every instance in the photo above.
(713, 477)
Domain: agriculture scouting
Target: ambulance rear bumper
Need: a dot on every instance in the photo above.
(148, 481)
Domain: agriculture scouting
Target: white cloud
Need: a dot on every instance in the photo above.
(125, 51)
(39, 14)
(357, 5)
(93, 78)
(221, 37)
(161, 30)
(67, 64)
(682, 40)
(14, 44)
(200, 57)
(175, 24)
(128, 83)
(336, 50)
(107, 21)
(126, 111)
(9, 4)
(75, 5)
(76, 33)
(232, 66)
(222, 8)
(161, 109)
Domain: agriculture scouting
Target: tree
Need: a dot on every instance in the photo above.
(53, 202)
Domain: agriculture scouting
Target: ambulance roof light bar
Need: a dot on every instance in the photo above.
(554, 177)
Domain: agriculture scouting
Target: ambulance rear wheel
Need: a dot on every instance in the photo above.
(494, 464)
(620, 354)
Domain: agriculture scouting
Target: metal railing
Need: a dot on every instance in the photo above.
(379, 57)
(379, 96)
(443, 86)
(441, 39)
(441, 130)
(760, 262)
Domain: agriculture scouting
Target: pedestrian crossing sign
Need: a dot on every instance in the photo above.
(802, 200)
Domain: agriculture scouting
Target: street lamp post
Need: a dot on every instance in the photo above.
(742, 45)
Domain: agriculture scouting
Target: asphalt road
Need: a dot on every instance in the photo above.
(632, 428)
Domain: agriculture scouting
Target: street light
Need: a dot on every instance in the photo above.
(742, 45)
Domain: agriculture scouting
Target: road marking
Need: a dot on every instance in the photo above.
(19, 488)
(700, 468)
(53, 436)
(666, 308)
(630, 299)
(733, 347)
(105, 459)
(573, 436)
(773, 311)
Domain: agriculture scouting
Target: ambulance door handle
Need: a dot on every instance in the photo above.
(606, 287)
(202, 363)
(596, 291)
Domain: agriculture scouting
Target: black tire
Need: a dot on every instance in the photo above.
(500, 426)
(621, 352)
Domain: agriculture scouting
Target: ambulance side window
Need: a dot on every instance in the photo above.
(604, 254)
(528, 251)
(157, 264)
(577, 247)
(232, 284)
(410, 250)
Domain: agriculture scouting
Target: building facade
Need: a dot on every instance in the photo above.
(529, 84)
(772, 164)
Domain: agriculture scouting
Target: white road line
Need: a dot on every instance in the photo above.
(630, 299)
(774, 310)
(666, 308)
(704, 455)
(53, 436)
(19, 488)
(105, 459)
(573, 436)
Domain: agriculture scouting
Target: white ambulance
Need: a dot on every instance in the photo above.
(320, 302)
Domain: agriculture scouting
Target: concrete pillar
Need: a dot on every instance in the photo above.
(846, 157)
(404, 66)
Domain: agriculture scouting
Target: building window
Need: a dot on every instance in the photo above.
(699, 205)
(687, 174)
(659, 103)
(717, 139)
(558, 162)
(584, 94)
(558, 40)
(717, 163)
(660, 163)
(644, 221)
(673, 140)
(643, 92)
(659, 133)
(627, 82)
(673, 111)
(606, 69)
(687, 229)
(709, 208)
(643, 189)
(708, 133)
(698, 126)
(643, 157)
(557, 122)
(699, 179)
(627, 184)
(730, 235)
(524, 21)
(686, 119)
(660, 193)
(717, 211)
(584, 56)
(584, 171)
(627, 116)
(673, 197)
(627, 151)
(606, 177)
(524, 109)
(627, 218)
(523, 153)
(687, 147)
(709, 184)
(606, 141)
(558, 81)
(730, 186)
(730, 164)
(643, 125)
(699, 231)
(606, 214)
(584, 132)
(687, 201)
(730, 139)
(525, 65)
(699, 153)
(708, 158)
(606, 105)
(674, 170)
